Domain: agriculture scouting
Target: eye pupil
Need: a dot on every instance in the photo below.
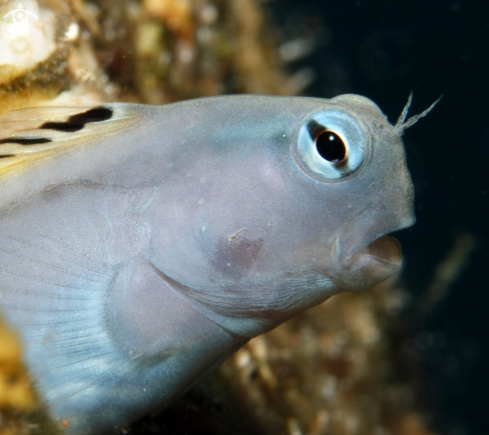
(331, 147)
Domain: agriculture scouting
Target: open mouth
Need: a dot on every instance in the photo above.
(386, 249)
(382, 256)
(366, 258)
(369, 265)
(366, 235)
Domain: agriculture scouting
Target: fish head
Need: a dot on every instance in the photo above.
(272, 205)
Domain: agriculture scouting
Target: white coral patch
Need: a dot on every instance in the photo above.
(26, 43)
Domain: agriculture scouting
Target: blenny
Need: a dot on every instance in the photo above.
(140, 246)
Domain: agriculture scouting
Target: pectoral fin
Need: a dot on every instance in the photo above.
(105, 342)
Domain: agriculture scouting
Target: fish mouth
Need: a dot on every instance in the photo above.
(361, 262)
(386, 249)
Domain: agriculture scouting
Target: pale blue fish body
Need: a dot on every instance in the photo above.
(140, 246)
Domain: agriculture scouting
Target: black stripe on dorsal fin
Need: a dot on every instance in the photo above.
(97, 114)
(78, 121)
(26, 141)
(39, 132)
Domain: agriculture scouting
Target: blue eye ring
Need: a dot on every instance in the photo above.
(347, 152)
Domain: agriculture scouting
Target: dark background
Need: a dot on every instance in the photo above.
(383, 49)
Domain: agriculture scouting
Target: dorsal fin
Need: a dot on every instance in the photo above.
(29, 134)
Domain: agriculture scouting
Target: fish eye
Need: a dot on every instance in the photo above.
(331, 145)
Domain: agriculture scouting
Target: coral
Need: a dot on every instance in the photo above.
(156, 51)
